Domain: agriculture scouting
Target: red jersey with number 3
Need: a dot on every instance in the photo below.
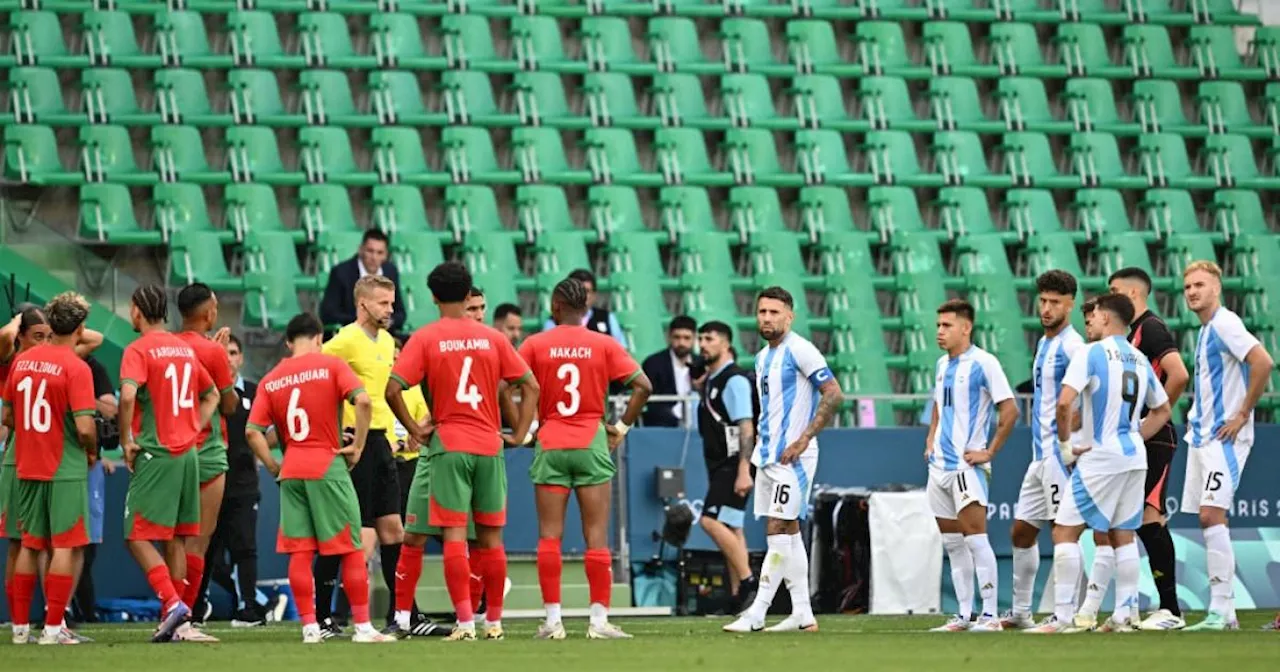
(574, 366)
(215, 360)
(47, 387)
(462, 362)
(303, 398)
(170, 381)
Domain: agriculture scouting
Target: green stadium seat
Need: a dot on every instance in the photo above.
(759, 8)
(969, 11)
(36, 39)
(398, 157)
(181, 41)
(1028, 11)
(1266, 49)
(1158, 108)
(109, 99)
(1091, 106)
(1101, 212)
(270, 299)
(469, 155)
(469, 99)
(536, 45)
(1095, 157)
(883, 50)
(180, 208)
(1031, 211)
(181, 98)
(326, 42)
(400, 209)
(540, 157)
(395, 40)
(819, 102)
(1271, 106)
(35, 97)
(1159, 12)
(495, 267)
(106, 215)
(177, 152)
(1101, 12)
(1149, 53)
(325, 208)
(1164, 160)
(606, 40)
(1231, 161)
(637, 252)
(891, 157)
(886, 104)
(325, 155)
(327, 100)
(1214, 54)
(543, 209)
(468, 44)
(706, 296)
(1015, 50)
(749, 102)
(752, 157)
(674, 46)
(955, 104)
(106, 155)
(682, 154)
(825, 211)
(755, 211)
(1224, 108)
(540, 101)
(747, 45)
(812, 48)
(1024, 106)
(255, 99)
(415, 253)
(964, 212)
(610, 100)
(255, 41)
(1030, 161)
(821, 159)
(253, 208)
(613, 158)
(1120, 250)
(396, 98)
(959, 157)
(920, 273)
(1047, 251)
(420, 308)
(198, 256)
(894, 212)
(109, 39)
(686, 210)
(473, 211)
(641, 312)
(555, 255)
(616, 211)
(254, 156)
(948, 49)
(334, 247)
(1168, 212)
(1084, 50)
(680, 101)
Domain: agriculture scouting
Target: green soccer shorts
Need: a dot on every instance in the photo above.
(164, 497)
(53, 514)
(574, 468)
(213, 461)
(417, 517)
(9, 503)
(319, 515)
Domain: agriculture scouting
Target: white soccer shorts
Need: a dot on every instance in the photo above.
(1103, 501)
(951, 491)
(1043, 487)
(782, 490)
(1213, 475)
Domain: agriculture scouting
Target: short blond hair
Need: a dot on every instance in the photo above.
(1209, 267)
(367, 284)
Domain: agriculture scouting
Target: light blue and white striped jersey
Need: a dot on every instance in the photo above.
(1221, 378)
(965, 390)
(1052, 357)
(1114, 380)
(788, 378)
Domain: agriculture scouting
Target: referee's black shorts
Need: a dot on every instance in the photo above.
(376, 480)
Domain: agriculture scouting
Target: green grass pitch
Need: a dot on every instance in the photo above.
(844, 643)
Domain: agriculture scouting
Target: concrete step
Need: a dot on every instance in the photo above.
(525, 593)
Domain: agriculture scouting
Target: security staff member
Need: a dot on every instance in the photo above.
(726, 421)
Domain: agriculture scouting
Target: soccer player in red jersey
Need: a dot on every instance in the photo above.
(199, 309)
(574, 366)
(461, 362)
(170, 398)
(49, 405)
(318, 506)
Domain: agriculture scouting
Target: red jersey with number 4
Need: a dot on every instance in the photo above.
(303, 398)
(215, 360)
(47, 387)
(574, 366)
(462, 362)
(170, 381)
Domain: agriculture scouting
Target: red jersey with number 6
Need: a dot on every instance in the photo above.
(47, 387)
(462, 362)
(303, 398)
(170, 381)
(574, 366)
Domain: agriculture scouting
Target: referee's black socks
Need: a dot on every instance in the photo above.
(327, 569)
(1162, 557)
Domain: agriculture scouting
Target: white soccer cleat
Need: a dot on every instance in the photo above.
(1016, 621)
(311, 634)
(956, 624)
(188, 633)
(745, 624)
(1085, 622)
(986, 623)
(371, 637)
(60, 637)
(606, 631)
(794, 623)
(22, 634)
(1052, 626)
(1112, 625)
(555, 631)
(1163, 619)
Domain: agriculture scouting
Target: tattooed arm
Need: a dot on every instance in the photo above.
(827, 407)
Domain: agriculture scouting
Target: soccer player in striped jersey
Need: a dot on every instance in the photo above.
(968, 383)
(798, 397)
(1046, 477)
(1111, 381)
(1231, 372)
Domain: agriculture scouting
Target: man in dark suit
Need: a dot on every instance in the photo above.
(339, 305)
(668, 370)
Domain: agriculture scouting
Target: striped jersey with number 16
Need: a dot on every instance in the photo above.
(1115, 381)
(789, 376)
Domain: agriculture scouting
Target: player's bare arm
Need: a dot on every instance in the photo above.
(641, 388)
(933, 430)
(1007, 416)
(208, 406)
(420, 431)
(1066, 408)
(1176, 376)
(9, 336)
(128, 404)
(746, 444)
(1155, 421)
(830, 402)
(1260, 366)
(507, 404)
(6, 417)
(87, 437)
(258, 444)
(228, 402)
(364, 416)
(89, 341)
(528, 410)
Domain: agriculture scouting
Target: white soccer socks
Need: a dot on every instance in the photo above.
(772, 572)
(984, 564)
(961, 572)
(1026, 562)
(1221, 562)
(1126, 583)
(798, 579)
(1104, 565)
(1066, 577)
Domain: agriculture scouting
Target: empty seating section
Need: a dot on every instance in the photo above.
(874, 157)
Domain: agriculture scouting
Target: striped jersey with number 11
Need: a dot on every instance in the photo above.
(966, 389)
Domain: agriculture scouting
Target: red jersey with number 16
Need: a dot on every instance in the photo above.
(47, 387)
(574, 366)
(303, 398)
(170, 381)
(462, 362)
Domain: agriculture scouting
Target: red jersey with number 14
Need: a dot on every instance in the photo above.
(574, 366)
(303, 398)
(170, 381)
(462, 362)
(47, 387)
(215, 360)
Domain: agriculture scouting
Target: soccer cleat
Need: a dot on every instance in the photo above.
(986, 623)
(606, 631)
(794, 623)
(1214, 622)
(329, 629)
(745, 624)
(1112, 625)
(312, 634)
(494, 632)
(60, 637)
(371, 637)
(956, 624)
(425, 627)
(1163, 619)
(556, 632)
(174, 617)
(1016, 621)
(394, 630)
(80, 639)
(1085, 622)
(189, 633)
(21, 634)
(1053, 626)
(461, 634)
(249, 618)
